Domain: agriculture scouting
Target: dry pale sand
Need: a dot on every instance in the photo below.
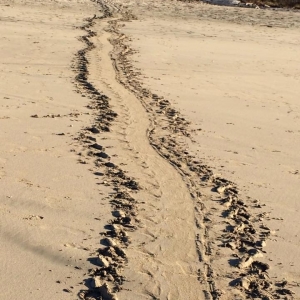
(241, 85)
(148, 151)
(49, 202)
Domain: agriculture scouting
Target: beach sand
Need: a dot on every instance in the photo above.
(240, 84)
(149, 150)
(48, 200)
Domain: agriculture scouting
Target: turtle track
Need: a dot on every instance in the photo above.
(243, 231)
(106, 279)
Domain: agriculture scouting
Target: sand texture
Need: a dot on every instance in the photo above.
(149, 150)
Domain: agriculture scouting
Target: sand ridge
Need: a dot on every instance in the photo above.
(111, 258)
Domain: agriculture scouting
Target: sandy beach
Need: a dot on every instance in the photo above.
(149, 150)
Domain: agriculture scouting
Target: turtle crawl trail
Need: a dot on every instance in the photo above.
(177, 231)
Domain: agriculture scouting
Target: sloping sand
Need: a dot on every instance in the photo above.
(148, 151)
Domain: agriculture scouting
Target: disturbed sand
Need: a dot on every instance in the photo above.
(148, 151)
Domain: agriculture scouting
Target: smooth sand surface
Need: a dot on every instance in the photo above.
(105, 190)
(48, 199)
